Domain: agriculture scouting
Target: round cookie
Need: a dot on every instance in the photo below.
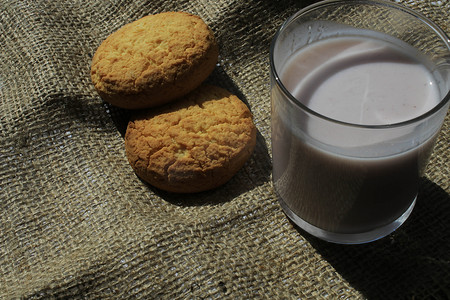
(154, 60)
(194, 144)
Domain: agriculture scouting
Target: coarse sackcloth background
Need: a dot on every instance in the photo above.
(76, 222)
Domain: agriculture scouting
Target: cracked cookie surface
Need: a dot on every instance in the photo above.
(194, 144)
(154, 60)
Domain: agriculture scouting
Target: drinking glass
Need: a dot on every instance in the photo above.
(343, 182)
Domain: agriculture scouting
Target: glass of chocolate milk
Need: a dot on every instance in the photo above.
(359, 92)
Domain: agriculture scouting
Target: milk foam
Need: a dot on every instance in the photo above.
(361, 80)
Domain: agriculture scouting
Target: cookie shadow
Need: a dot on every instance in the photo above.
(119, 116)
(411, 263)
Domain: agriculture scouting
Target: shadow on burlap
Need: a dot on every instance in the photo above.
(75, 221)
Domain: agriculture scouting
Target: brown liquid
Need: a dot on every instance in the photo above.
(344, 194)
(359, 191)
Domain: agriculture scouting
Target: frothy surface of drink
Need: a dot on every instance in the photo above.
(361, 80)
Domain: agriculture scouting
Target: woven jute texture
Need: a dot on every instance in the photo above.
(76, 222)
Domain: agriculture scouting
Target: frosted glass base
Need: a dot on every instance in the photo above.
(347, 238)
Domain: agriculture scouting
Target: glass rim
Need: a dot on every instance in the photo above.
(442, 35)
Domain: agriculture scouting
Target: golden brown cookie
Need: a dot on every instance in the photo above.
(154, 60)
(194, 144)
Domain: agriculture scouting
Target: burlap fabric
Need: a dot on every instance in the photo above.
(75, 221)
